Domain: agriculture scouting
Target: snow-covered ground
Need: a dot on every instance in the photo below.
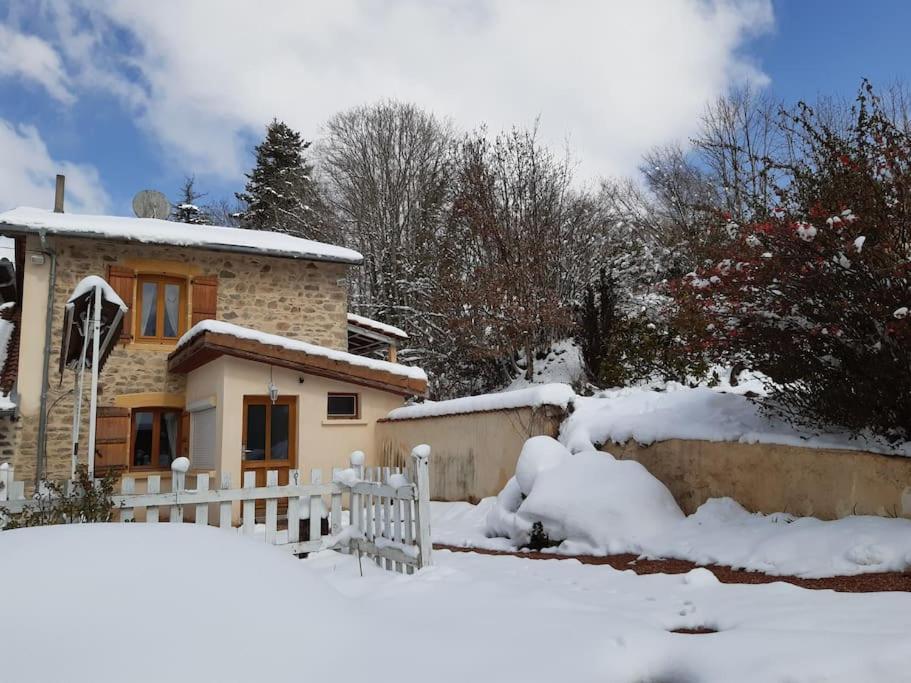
(562, 364)
(722, 532)
(591, 503)
(145, 602)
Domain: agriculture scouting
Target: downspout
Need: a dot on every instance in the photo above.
(45, 369)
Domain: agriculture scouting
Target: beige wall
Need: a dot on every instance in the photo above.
(472, 455)
(770, 478)
(300, 299)
(322, 444)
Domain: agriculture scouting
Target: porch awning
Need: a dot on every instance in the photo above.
(212, 339)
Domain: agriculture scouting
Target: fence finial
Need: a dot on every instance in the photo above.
(421, 452)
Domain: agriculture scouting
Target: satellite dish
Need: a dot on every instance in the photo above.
(151, 204)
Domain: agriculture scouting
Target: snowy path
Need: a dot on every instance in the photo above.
(514, 619)
(185, 592)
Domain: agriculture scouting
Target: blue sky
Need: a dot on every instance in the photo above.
(124, 96)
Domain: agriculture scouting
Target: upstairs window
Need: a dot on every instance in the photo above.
(343, 407)
(162, 308)
(156, 438)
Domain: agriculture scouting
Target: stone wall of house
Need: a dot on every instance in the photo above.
(10, 432)
(304, 300)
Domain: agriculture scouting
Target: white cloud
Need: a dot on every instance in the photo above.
(27, 174)
(613, 78)
(31, 58)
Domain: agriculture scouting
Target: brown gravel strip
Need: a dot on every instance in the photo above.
(860, 583)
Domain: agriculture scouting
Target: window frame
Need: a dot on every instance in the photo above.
(357, 405)
(160, 281)
(157, 412)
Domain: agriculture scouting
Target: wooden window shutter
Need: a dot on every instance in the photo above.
(185, 434)
(112, 439)
(204, 298)
(123, 281)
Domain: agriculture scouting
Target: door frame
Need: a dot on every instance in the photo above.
(267, 463)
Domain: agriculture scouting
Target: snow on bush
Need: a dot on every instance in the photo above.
(590, 502)
(539, 453)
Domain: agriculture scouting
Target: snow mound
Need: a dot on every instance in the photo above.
(539, 453)
(588, 502)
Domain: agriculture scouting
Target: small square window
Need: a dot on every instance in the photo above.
(343, 406)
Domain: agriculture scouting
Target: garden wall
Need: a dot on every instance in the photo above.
(473, 454)
(824, 483)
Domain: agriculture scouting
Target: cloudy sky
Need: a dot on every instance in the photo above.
(128, 94)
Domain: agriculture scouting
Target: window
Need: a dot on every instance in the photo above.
(343, 406)
(156, 438)
(162, 308)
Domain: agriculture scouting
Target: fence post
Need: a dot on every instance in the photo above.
(356, 502)
(420, 455)
(224, 507)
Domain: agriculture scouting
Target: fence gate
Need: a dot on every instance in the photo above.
(389, 508)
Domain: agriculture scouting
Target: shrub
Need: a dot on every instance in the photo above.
(816, 297)
(87, 501)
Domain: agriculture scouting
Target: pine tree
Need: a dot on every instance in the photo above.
(281, 194)
(185, 209)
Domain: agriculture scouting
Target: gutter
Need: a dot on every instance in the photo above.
(45, 369)
(231, 249)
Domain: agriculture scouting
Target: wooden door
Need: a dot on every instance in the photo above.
(269, 438)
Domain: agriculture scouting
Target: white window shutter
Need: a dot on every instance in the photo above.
(202, 439)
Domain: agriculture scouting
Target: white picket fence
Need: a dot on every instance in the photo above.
(389, 508)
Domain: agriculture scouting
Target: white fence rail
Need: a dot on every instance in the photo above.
(389, 508)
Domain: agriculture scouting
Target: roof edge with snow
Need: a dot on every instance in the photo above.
(211, 339)
(27, 220)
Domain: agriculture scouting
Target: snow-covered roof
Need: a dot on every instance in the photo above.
(376, 326)
(156, 231)
(559, 395)
(221, 327)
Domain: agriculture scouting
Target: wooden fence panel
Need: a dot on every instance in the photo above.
(389, 511)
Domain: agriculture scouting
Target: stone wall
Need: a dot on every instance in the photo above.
(823, 483)
(304, 300)
(473, 455)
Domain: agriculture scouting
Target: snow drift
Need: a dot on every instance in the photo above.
(588, 502)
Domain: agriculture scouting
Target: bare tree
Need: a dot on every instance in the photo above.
(387, 168)
(512, 220)
(739, 135)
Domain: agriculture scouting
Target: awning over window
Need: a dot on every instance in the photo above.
(78, 308)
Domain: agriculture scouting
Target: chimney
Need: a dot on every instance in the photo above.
(58, 195)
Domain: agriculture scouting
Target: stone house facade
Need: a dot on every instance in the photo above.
(296, 291)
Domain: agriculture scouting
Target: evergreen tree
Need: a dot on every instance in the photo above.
(185, 209)
(281, 194)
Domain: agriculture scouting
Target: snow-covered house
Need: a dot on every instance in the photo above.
(234, 350)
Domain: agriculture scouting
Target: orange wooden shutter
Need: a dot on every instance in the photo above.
(112, 439)
(123, 281)
(204, 298)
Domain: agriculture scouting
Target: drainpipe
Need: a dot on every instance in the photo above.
(45, 370)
